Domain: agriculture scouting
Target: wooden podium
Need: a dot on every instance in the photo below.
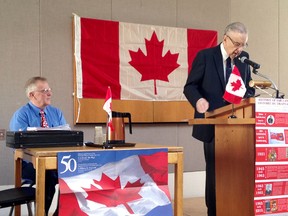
(234, 157)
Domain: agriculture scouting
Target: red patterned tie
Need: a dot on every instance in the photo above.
(44, 123)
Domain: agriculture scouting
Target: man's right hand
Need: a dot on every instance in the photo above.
(202, 105)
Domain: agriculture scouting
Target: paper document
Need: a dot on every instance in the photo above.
(61, 127)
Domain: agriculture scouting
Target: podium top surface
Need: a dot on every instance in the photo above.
(245, 113)
(228, 121)
(228, 108)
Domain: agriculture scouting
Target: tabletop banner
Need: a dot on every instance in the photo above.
(271, 157)
(114, 182)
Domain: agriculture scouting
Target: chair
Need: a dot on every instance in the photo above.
(18, 196)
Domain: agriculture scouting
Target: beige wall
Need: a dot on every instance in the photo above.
(268, 44)
(35, 39)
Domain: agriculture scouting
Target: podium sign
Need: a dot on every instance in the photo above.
(234, 157)
(114, 182)
(271, 161)
(251, 157)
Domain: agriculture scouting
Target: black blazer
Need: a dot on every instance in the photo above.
(206, 80)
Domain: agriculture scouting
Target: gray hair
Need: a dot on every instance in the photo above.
(30, 85)
(236, 27)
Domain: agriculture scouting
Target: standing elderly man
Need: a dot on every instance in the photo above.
(38, 113)
(205, 88)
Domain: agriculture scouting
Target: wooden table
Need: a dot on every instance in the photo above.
(46, 159)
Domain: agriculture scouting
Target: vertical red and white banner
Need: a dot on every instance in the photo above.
(271, 161)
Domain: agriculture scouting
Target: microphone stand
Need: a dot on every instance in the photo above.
(266, 92)
(273, 84)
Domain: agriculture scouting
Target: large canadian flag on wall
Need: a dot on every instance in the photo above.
(138, 62)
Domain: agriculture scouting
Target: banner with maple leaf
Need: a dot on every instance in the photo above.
(116, 183)
(138, 62)
(235, 88)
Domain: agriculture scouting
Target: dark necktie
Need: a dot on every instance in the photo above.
(228, 68)
(44, 123)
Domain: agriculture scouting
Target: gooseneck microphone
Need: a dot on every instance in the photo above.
(260, 84)
(244, 59)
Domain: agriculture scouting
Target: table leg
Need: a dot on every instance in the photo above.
(178, 186)
(40, 186)
(17, 174)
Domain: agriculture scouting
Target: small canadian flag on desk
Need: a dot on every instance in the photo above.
(108, 107)
(235, 88)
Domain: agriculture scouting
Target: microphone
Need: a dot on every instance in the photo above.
(244, 59)
(260, 84)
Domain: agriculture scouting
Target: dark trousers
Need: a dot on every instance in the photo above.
(210, 189)
(28, 172)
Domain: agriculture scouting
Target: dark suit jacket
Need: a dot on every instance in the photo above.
(206, 80)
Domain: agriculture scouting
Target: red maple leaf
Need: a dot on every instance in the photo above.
(236, 85)
(154, 65)
(112, 194)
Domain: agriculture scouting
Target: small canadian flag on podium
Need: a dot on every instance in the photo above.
(235, 88)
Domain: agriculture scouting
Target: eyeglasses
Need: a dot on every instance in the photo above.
(45, 91)
(237, 44)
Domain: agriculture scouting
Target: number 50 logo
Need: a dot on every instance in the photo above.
(69, 163)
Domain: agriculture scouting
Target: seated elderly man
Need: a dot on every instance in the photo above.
(38, 113)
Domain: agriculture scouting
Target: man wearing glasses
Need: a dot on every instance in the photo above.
(39, 94)
(205, 88)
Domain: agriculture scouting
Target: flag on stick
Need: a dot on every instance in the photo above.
(108, 107)
(235, 88)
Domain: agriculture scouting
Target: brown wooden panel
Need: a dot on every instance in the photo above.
(235, 169)
(91, 110)
(172, 111)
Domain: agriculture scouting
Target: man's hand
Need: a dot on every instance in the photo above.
(202, 105)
